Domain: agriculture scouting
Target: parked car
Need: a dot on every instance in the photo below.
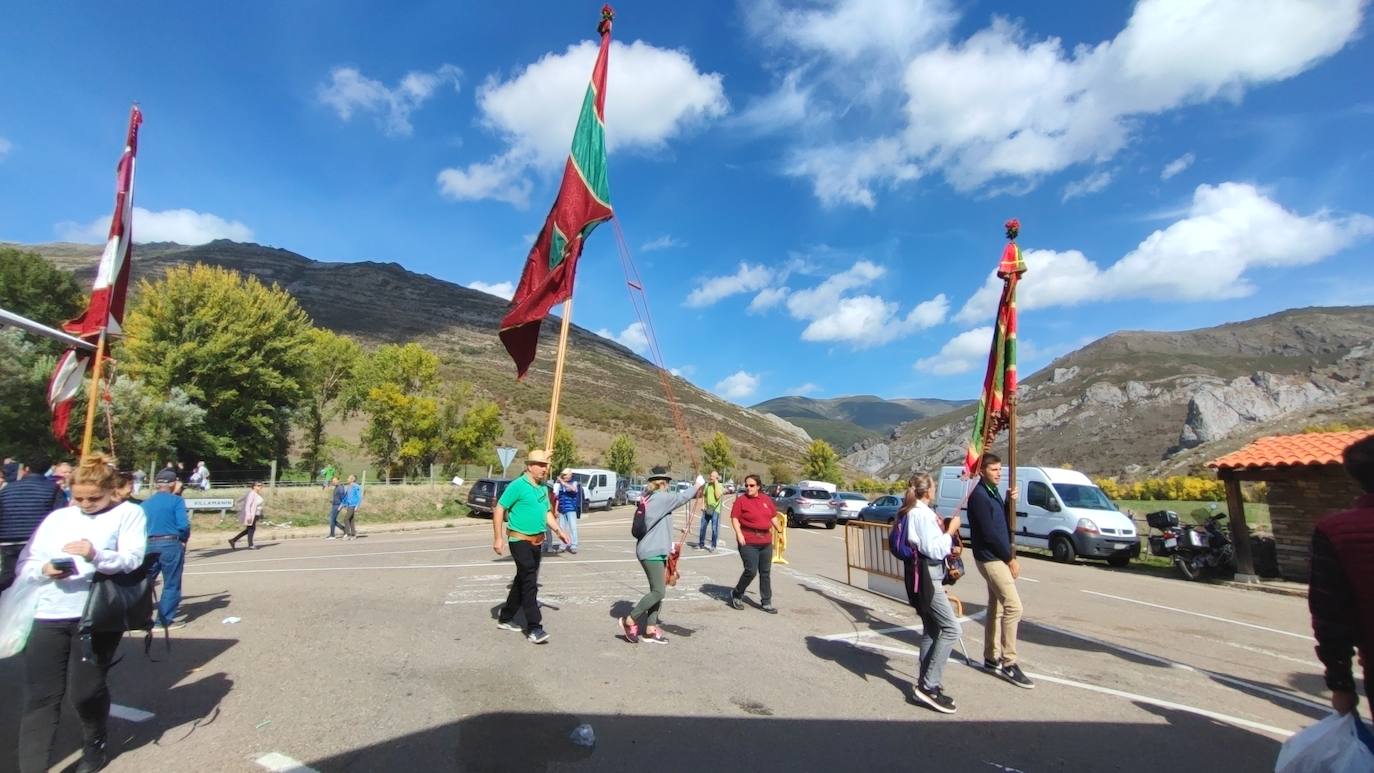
(484, 493)
(601, 487)
(881, 510)
(730, 487)
(633, 493)
(847, 505)
(1059, 509)
(806, 505)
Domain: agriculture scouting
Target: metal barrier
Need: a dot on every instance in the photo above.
(866, 551)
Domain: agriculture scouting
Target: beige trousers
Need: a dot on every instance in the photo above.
(1003, 614)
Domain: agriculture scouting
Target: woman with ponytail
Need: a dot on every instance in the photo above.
(97, 533)
(932, 541)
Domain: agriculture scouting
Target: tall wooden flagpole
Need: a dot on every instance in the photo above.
(558, 375)
(93, 397)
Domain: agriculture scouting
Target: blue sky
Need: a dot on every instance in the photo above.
(813, 191)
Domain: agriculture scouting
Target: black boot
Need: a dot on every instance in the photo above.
(93, 755)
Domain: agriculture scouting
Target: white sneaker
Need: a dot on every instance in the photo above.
(331, 537)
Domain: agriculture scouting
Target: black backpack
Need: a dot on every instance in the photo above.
(637, 527)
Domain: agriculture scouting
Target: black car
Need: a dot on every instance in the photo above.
(484, 493)
(881, 510)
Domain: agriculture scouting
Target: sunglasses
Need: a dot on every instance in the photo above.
(751, 485)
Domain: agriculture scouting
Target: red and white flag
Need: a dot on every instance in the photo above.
(105, 312)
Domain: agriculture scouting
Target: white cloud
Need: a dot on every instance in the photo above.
(746, 279)
(859, 320)
(633, 337)
(499, 289)
(767, 298)
(1093, 183)
(811, 303)
(787, 106)
(663, 242)
(683, 371)
(737, 385)
(1004, 105)
(1230, 229)
(1177, 165)
(960, 354)
(802, 391)
(5, 147)
(183, 226)
(653, 95)
(349, 91)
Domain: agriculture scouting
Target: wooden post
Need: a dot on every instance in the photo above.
(1240, 529)
(272, 482)
(91, 399)
(558, 375)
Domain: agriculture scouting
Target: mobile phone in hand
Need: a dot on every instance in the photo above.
(64, 565)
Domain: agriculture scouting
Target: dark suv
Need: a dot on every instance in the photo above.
(805, 505)
(484, 493)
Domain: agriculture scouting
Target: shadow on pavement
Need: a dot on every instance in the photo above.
(196, 607)
(216, 552)
(138, 683)
(921, 741)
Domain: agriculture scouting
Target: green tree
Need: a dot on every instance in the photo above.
(235, 346)
(564, 449)
(820, 462)
(32, 287)
(151, 427)
(331, 365)
(24, 418)
(395, 387)
(472, 437)
(620, 457)
(718, 456)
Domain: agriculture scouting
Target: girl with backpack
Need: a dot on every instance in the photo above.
(653, 528)
(932, 541)
(97, 533)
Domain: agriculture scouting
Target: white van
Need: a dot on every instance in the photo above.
(820, 484)
(1060, 510)
(601, 486)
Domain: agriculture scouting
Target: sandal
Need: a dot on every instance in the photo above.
(631, 630)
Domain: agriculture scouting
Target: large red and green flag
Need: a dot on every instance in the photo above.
(999, 385)
(105, 312)
(583, 203)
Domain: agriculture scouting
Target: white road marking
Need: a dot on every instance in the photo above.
(365, 568)
(1231, 680)
(1304, 637)
(130, 714)
(1237, 721)
(351, 555)
(1261, 651)
(280, 763)
(918, 628)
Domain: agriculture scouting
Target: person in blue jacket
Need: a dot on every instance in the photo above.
(168, 530)
(571, 500)
(987, 516)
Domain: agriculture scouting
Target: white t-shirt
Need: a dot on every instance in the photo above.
(926, 533)
(119, 536)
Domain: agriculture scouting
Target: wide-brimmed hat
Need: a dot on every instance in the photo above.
(659, 473)
(538, 456)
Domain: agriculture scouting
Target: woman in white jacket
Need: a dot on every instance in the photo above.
(95, 534)
(933, 541)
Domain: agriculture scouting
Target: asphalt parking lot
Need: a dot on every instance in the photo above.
(383, 654)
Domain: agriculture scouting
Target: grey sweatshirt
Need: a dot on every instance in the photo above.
(658, 522)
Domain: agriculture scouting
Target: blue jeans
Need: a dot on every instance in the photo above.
(333, 520)
(939, 626)
(713, 518)
(171, 555)
(568, 520)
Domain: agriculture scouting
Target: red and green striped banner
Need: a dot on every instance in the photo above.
(999, 385)
(583, 203)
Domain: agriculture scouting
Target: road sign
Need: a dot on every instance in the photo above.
(506, 455)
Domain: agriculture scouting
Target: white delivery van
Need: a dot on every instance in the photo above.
(601, 486)
(1059, 510)
(817, 484)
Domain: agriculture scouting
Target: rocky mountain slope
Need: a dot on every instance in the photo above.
(847, 421)
(607, 388)
(1140, 404)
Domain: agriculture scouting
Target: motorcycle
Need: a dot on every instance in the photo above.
(1197, 551)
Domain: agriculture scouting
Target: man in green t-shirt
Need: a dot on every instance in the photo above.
(711, 513)
(526, 502)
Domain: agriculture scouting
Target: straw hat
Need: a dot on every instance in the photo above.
(538, 456)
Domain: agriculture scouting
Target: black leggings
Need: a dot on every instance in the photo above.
(55, 669)
(247, 532)
(758, 562)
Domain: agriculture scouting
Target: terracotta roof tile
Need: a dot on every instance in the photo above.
(1315, 448)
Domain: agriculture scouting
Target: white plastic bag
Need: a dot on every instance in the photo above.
(1330, 746)
(17, 605)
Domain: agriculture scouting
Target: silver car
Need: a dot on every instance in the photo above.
(847, 505)
(806, 505)
(633, 493)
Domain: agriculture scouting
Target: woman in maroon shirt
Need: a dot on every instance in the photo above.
(752, 516)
